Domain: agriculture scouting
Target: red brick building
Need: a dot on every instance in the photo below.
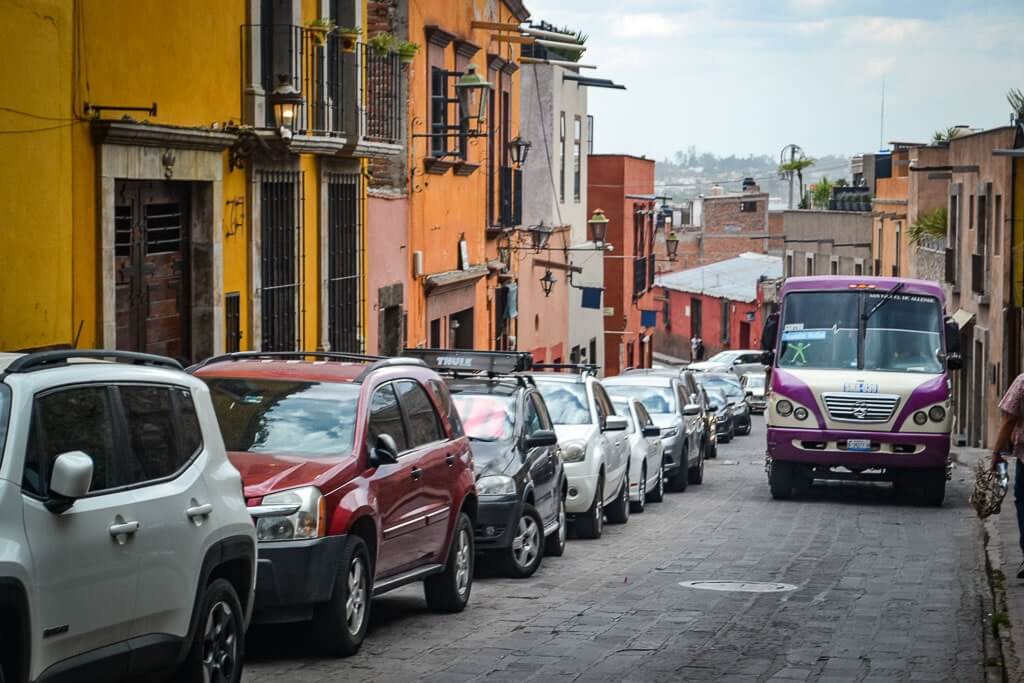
(724, 226)
(629, 269)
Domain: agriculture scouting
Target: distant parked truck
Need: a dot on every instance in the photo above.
(859, 385)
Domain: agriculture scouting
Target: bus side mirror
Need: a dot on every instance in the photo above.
(954, 361)
(770, 334)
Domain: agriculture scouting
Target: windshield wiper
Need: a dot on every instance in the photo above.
(885, 299)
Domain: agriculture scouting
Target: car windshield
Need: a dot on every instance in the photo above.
(821, 330)
(567, 402)
(724, 357)
(716, 399)
(286, 417)
(657, 400)
(486, 417)
(755, 381)
(725, 384)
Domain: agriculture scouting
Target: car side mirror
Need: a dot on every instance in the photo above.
(615, 423)
(691, 409)
(652, 431)
(384, 452)
(69, 481)
(542, 438)
(954, 361)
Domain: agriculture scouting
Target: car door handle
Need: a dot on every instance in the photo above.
(450, 459)
(417, 473)
(123, 529)
(199, 510)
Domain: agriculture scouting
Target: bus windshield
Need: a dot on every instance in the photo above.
(821, 330)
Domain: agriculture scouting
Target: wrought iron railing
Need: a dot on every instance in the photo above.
(383, 85)
(510, 194)
(639, 276)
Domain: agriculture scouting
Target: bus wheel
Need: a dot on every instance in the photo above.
(933, 485)
(780, 479)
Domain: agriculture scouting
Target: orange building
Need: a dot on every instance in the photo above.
(463, 198)
(890, 243)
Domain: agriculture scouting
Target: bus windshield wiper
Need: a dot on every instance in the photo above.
(885, 299)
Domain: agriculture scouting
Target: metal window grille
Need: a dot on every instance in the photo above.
(163, 228)
(344, 262)
(438, 112)
(650, 271)
(233, 322)
(978, 273)
(281, 255)
(123, 230)
(510, 192)
(639, 276)
(383, 79)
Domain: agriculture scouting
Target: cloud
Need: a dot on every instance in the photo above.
(806, 6)
(648, 25)
(881, 30)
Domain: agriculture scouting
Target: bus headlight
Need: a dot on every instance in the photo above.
(784, 408)
(800, 413)
(937, 413)
(920, 418)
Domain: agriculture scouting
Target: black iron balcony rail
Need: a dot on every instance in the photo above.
(510, 194)
(383, 85)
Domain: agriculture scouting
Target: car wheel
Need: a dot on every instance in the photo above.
(696, 474)
(591, 523)
(449, 591)
(555, 543)
(712, 450)
(219, 641)
(637, 505)
(780, 479)
(522, 558)
(679, 479)
(658, 494)
(618, 511)
(340, 624)
(933, 486)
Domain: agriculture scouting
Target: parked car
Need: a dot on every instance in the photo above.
(739, 362)
(645, 447)
(519, 475)
(125, 547)
(360, 479)
(595, 450)
(668, 398)
(753, 384)
(724, 423)
(729, 385)
(710, 423)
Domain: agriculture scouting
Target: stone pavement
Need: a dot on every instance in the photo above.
(884, 592)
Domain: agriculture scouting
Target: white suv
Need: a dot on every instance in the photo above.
(595, 450)
(125, 546)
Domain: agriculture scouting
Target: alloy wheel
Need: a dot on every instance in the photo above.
(563, 531)
(642, 489)
(599, 512)
(526, 544)
(220, 644)
(462, 551)
(355, 606)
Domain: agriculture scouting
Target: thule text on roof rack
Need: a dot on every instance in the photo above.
(458, 360)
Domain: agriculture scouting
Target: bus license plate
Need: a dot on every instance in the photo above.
(858, 444)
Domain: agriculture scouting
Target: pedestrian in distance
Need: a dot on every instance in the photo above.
(700, 349)
(1011, 440)
(693, 349)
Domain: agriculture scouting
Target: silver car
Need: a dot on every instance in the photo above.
(646, 480)
(739, 362)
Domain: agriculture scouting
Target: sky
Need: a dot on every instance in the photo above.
(751, 76)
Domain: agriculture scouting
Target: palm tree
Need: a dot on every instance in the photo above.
(797, 166)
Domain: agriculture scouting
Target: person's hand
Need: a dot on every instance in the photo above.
(996, 459)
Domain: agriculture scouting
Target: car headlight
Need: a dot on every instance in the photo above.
(292, 515)
(800, 413)
(937, 413)
(784, 408)
(669, 433)
(920, 418)
(574, 451)
(495, 485)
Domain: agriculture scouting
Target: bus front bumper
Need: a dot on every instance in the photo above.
(833, 448)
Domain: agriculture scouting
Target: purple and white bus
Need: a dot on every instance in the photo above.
(859, 384)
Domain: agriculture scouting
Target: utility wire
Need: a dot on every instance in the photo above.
(20, 131)
(12, 110)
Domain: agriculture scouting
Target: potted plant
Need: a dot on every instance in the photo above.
(348, 36)
(407, 51)
(320, 28)
(381, 43)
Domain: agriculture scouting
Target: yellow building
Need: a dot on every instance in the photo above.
(155, 200)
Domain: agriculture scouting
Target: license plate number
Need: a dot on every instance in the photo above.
(858, 444)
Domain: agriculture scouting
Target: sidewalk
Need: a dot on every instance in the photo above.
(1004, 556)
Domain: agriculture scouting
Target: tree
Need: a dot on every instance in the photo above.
(821, 193)
(797, 166)
(941, 136)
(930, 224)
(1016, 99)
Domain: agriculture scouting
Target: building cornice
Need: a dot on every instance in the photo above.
(464, 48)
(454, 278)
(132, 133)
(438, 36)
(495, 62)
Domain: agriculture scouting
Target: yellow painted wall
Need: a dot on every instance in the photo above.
(1018, 232)
(35, 176)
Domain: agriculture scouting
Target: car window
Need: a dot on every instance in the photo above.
(448, 408)
(487, 417)
(643, 416)
(286, 416)
(531, 420)
(567, 403)
(77, 419)
(656, 399)
(622, 408)
(5, 413)
(542, 411)
(151, 422)
(604, 404)
(191, 432)
(386, 418)
(424, 426)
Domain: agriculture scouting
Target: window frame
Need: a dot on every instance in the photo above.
(401, 416)
(407, 419)
(577, 157)
(561, 157)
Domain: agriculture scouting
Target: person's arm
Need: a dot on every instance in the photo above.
(1003, 439)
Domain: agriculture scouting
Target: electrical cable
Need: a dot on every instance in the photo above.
(12, 110)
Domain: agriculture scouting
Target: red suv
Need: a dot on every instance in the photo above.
(359, 478)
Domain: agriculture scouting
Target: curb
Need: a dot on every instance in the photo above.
(995, 624)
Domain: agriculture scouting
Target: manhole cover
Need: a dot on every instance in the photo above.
(740, 586)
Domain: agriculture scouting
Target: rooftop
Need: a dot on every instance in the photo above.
(735, 279)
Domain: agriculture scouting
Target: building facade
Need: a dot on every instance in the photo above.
(826, 242)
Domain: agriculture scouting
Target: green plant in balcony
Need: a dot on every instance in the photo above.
(407, 51)
(320, 28)
(381, 43)
(348, 36)
(929, 224)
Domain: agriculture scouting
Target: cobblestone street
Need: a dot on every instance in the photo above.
(885, 592)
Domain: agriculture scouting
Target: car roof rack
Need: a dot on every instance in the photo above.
(376, 362)
(43, 360)
(461, 363)
(582, 368)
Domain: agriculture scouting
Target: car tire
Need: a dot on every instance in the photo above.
(933, 486)
(522, 558)
(555, 543)
(618, 511)
(680, 478)
(658, 494)
(591, 523)
(340, 624)
(449, 591)
(695, 475)
(637, 506)
(780, 479)
(219, 641)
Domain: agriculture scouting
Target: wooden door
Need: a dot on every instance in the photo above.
(151, 225)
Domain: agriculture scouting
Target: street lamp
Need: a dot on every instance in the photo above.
(672, 245)
(286, 100)
(519, 148)
(598, 226)
(547, 282)
(472, 91)
(539, 235)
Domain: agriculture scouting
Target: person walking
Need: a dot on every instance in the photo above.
(693, 349)
(1011, 440)
(700, 349)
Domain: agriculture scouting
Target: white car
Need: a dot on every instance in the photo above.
(738, 362)
(125, 545)
(595, 449)
(646, 476)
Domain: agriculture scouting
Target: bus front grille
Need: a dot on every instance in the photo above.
(863, 408)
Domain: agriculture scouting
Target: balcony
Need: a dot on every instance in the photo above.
(339, 103)
(510, 194)
(639, 277)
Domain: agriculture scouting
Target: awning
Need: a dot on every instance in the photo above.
(963, 318)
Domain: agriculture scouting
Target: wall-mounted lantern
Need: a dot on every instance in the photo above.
(539, 235)
(287, 101)
(547, 282)
(672, 245)
(472, 90)
(598, 226)
(519, 149)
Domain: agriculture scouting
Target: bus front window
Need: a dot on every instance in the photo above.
(819, 330)
(903, 335)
